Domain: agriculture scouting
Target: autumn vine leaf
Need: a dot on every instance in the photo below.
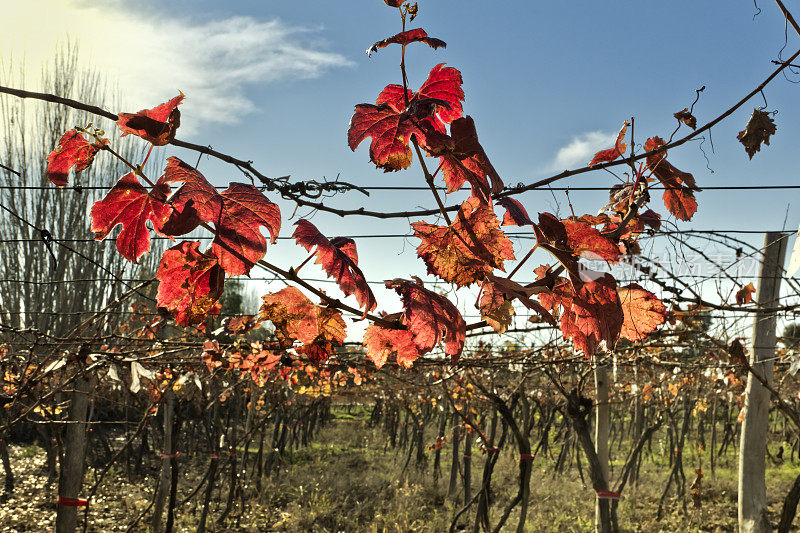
(465, 251)
(758, 129)
(443, 84)
(745, 294)
(618, 150)
(390, 122)
(407, 37)
(686, 117)
(129, 203)
(72, 151)
(237, 214)
(339, 259)
(586, 241)
(191, 283)
(466, 161)
(381, 342)
(496, 309)
(390, 131)
(431, 318)
(643, 312)
(296, 318)
(516, 214)
(679, 186)
(157, 125)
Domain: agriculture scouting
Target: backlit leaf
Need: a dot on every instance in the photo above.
(643, 312)
(468, 249)
(73, 151)
(191, 283)
(407, 37)
(337, 262)
(157, 125)
(130, 204)
(431, 318)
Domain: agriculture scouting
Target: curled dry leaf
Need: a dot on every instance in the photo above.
(618, 150)
(339, 259)
(191, 283)
(466, 161)
(679, 186)
(496, 309)
(157, 125)
(745, 294)
(687, 118)
(516, 215)
(411, 36)
(73, 151)
(465, 251)
(130, 204)
(758, 129)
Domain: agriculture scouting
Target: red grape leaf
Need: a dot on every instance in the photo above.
(380, 343)
(467, 161)
(443, 83)
(679, 195)
(129, 203)
(606, 156)
(239, 243)
(516, 215)
(390, 123)
(393, 3)
(296, 318)
(496, 309)
(73, 150)
(431, 318)
(593, 316)
(191, 283)
(407, 37)
(336, 262)
(468, 249)
(390, 131)
(643, 312)
(745, 294)
(586, 241)
(157, 125)
(237, 213)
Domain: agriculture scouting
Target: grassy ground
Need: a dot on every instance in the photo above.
(349, 481)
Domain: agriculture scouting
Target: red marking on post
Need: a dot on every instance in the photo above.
(70, 502)
(606, 495)
(527, 457)
(214, 455)
(169, 455)
(678, 450)
(467, 455)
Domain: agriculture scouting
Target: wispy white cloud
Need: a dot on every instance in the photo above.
(581, 149)
(151, 56)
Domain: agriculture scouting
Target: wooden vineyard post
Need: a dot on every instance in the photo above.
(752, 452)
(72, 467)
(602, 426)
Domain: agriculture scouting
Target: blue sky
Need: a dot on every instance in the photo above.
(276, 82)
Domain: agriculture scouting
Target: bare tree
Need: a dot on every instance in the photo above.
(47, 284)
